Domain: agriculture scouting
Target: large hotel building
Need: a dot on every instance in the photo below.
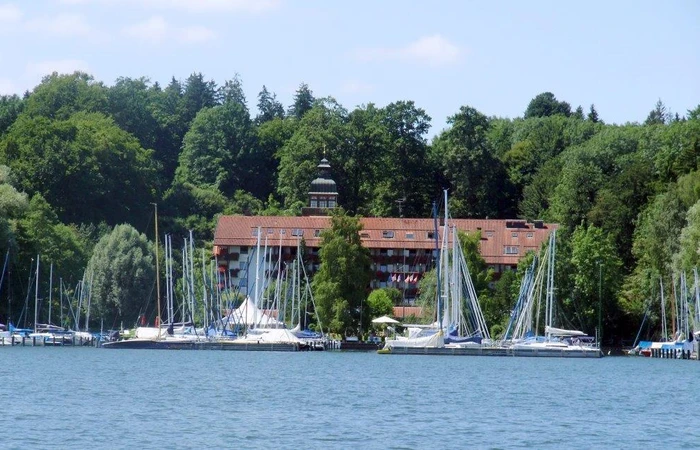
(402, 250)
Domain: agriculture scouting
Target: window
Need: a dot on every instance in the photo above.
(297, 232)
(314, 202)
(514, 234)
(255, 232)
(322, 203)
(270, 231)
(530, 235)
(317, 233)
(331, 203)
(510, 250)
(431, 235)
(387, 234)
(489, 233)
(409, 236)
(364, 235)
(283, 231)
(244, 250)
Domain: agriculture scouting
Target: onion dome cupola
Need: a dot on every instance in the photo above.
(323, 193)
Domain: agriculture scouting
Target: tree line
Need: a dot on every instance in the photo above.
(80, 157)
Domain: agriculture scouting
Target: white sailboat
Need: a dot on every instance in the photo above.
(460, 322)
(525, 339)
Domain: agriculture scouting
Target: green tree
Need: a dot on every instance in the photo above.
(61, 96)
(476, 178)
(406, 159)
(687, 257)
(167, 110)
(323, 127)
(303, 102)
(86, 167)
(130, 105)
(360, 155)
(342, 280)
(232, 91)
(658, 115)
(122, 267)
(593, 114)
(694, 114)
(198, 94)
(269, 108)
(596, 277)
(39, 231)
(575, 192)
(271, 137)
(10, 108)
(381, 302)
(13, 204)
(546, 104)
(216, 147)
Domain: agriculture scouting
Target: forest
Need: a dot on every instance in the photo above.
(83, 163)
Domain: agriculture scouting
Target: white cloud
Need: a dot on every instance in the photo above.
(61, 25)
(43, 68)
(10, 13)
(432, 50)
(356, 87)
(157, 30)
(154, 29)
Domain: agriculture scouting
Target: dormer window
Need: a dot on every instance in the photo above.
(388, 234)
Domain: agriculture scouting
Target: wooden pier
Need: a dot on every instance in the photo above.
(45, 341)
(495, 351)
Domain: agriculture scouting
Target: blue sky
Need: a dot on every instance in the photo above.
(493, 55)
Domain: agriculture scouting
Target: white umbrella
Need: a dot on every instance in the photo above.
(384, 319)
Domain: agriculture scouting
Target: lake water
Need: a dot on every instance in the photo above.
(99, 398)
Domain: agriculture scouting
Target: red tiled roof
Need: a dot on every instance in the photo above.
(495, 234)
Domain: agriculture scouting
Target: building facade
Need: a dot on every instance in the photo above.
(402, 250)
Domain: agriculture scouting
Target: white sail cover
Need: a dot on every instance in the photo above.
(562, 332)
(433, 341)
(250, 315)
(270, 335)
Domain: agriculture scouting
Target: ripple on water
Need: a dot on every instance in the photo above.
(95, 398)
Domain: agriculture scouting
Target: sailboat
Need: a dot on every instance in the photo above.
(460, 322)
(260, 330)
(686, 326)
(156, 337)
(522, 333)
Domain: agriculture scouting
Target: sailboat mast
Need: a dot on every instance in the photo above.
(60, 293)
(437, 265)
(190, 253)
(664, 331)
(157, 270)
(36, 294)
(446, 275)
(257, 277)
(50, 289)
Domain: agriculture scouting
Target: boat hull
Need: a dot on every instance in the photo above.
(497, 351)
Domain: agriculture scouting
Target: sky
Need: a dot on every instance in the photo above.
(495, 56)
